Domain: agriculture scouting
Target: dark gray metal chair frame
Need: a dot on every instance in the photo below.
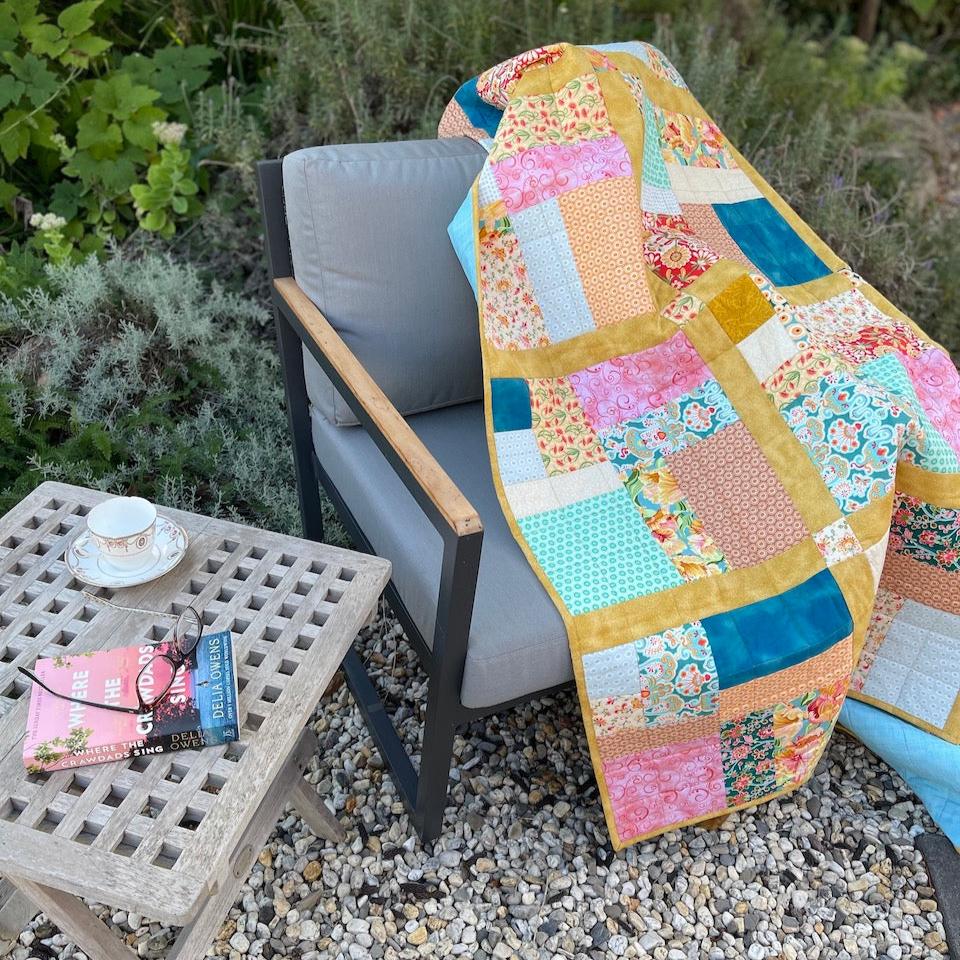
(424, 794)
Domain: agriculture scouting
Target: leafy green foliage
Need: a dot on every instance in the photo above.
(168, 194)
(77, 129)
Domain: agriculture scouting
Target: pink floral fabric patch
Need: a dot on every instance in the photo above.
(625, 387)
(937, 383)
(544, 172)
(655, 788)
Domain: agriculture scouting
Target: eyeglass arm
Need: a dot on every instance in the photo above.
(117, 708)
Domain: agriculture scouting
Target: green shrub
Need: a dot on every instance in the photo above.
(822, 117)
(81, 132)
(136, 375)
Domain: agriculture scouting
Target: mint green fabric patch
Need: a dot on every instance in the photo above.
(654, 167)
(934, 453)
(598, 552)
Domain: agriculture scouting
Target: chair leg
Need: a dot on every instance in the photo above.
(458, 581)
(436, 756)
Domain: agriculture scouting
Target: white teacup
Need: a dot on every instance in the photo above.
(124, 529)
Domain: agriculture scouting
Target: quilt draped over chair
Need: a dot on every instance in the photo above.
(731, 461)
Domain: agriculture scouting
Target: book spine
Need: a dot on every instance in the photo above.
(185, 740)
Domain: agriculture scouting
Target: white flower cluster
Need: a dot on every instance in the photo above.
(47, 221)
(168, 132)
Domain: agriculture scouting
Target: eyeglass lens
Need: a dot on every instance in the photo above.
(155, 679)
(186, 633)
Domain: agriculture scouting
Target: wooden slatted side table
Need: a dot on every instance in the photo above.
(170, 836)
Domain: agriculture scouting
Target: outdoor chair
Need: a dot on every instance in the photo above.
(379, 340)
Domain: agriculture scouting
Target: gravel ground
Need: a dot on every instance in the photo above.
(524, 867)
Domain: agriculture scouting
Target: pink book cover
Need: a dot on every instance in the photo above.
(200, 708)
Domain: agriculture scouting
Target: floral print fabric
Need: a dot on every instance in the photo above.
(677, 256)
(670, 427)
(574, 114)
(800, 731)
(566, 439)
(512, 318)
(695, 141)
(748, 757)
(926, 533)
(678, 675)
(673, 523)
(851, 432)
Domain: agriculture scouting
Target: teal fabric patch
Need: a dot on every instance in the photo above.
(768, 241)
(598, 552)
(510, 400)
(461, 234)
(481, 114)
(654, 167)
(805, 621)
(852, 432)
(932, 452)
(678, 675)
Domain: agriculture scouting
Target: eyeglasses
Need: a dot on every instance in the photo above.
(156, 676)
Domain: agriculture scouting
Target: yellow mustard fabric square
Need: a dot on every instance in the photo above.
(741, 308)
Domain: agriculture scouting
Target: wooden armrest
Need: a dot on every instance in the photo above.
(432, 478)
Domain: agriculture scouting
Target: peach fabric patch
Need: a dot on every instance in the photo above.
(747, 536)
(615, 286)
(922, 582)
(637, 739)
(705, 223)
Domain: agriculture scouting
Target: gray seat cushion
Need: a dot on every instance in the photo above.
(518, 643)
(368, 238)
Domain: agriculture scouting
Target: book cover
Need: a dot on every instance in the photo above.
(200, 709)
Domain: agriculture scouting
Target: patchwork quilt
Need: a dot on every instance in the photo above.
(731, 461)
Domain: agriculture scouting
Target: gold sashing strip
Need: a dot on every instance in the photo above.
(814, 291)
(625, 119)
(872, 522)
(696, 599)
(938, 489)
(568, 356)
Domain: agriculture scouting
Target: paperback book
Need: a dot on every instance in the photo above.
(199, 710)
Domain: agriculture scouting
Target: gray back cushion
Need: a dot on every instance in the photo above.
(368, 236)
